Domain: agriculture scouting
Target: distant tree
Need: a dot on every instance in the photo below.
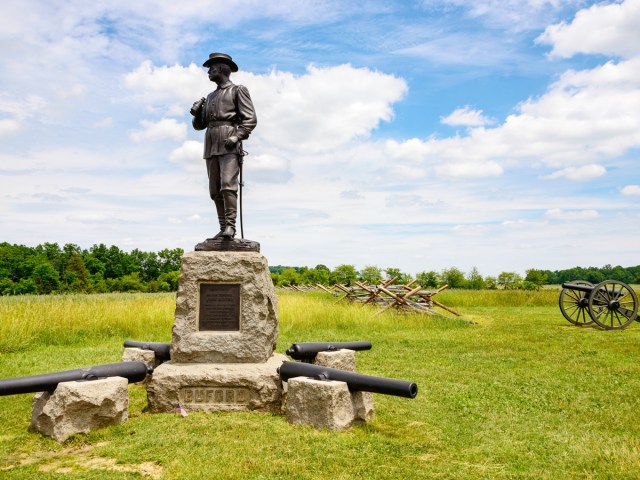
(509, 280)
(171, 279)
(428, 279)
(538, 277)
(453, 277)
(401, 277)
(46, 278)
(475, 280)
(344, 274)
(289, 277)
(76, 275)
(370, 274)
(491, 283)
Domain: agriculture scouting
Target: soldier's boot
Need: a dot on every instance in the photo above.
(220, 210)
(230, 213)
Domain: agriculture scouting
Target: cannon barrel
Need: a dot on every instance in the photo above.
(355, 381)
(162, 350)
(578, 287)
(47, 382)
(309, 350)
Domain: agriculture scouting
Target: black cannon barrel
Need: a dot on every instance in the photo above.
(47, 382)
(309, 350)
(355, 381)
(162, 350)
(578, 287)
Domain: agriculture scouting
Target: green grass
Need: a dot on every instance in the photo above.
(510, 390)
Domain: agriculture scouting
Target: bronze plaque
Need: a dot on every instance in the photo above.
(219, 307)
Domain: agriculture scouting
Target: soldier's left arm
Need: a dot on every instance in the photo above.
(246, 113)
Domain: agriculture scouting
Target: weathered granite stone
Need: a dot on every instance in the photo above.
(322, 404)
(131, 354)
(362, 407)
(221, 387)
(257, 332)
(340, 359)
(80, 407)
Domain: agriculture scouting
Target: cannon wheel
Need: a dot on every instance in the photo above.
(574, 304)
(613, 305)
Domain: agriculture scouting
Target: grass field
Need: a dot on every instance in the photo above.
(510, 390)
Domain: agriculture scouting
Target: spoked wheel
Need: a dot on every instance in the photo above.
(574, 304)
(613, 305)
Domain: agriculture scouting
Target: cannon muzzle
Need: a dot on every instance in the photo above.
(162, 350)
(47, 382)
(309, 350)
(355, 381)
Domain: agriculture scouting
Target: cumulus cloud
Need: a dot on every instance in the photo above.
(585, 172)
(466, 116)
(617, 30)
(320, 110)
(631, 190)
(167, 128)
(189, 155)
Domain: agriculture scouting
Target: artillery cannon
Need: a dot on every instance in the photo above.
(161, 350)
(355, 381)
(611, 304)
(47, 382)
(307, 351)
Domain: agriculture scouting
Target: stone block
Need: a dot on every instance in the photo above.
(80, 407)
(340, 359)
(217, 387)
(226, 309)
(139, 355)
(326, 404)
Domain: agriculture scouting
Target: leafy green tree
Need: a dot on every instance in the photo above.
(428, 279)
(401, 277)
(509, 280)
(453, 277)
(289, 277)
(46, 278)
(491, 283)
(314, 275)
(172, 279)
(537, 277)
(76, 275)
(344, 274)
(371, 275)
(475, 280)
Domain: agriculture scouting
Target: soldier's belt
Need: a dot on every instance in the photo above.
(221, 123)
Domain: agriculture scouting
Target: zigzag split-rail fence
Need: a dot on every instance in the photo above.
(409, 298)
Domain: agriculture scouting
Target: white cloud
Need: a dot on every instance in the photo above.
(571, 215)
(189, 154)
(631, 190)
(469, 169)
(608, 29)
(166, 128)
(9, 126)
(585, 172)
(267, 169)
(466, 116)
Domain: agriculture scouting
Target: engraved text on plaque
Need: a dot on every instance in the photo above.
(219, 307)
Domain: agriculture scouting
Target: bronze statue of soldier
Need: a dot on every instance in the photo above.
(229, 117)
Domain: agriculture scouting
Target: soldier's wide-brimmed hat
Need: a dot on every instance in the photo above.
(221, 58)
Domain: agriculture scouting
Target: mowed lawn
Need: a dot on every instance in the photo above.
(509, 390)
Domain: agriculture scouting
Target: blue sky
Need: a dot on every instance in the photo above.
(421, 135)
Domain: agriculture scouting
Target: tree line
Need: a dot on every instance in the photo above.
(49, 268)
(454, 277)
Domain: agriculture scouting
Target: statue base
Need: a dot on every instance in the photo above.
(222, 244)
(217, 387)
